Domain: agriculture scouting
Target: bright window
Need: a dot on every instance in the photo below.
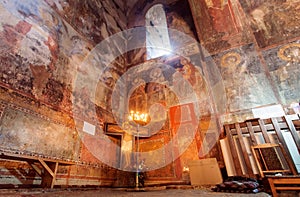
(157, 36)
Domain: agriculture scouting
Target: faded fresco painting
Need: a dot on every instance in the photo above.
(97, 19)
(273, 21)
(20, 131)
(244, 79)
(171, 82)
(38, 51)
(43, 45)
(284, 63)
(42, 50)
(220, 24)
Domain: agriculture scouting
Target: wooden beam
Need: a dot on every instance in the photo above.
(24, 157)
(272, 187)
(54, 176)
(251, 132)
(49, 177)
(46, 167)
(264, 131)
(256, 151)
(294, 133)
(37, 169)
(244, 150)
(233, 151)
(285, 149)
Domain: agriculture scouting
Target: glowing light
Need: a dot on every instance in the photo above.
(139, 118)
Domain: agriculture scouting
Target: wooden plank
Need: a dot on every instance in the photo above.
(268, 145)
(297, 176)
(54, 176)
(233, 151)
(279, 133)
(49, 176)
(285, 149)
(285, 180)
(25, 157)
(293, 131)
(254, 150)
(282, 188)
(244, 150)
(272, 187)
(263, 159)
(289, 161)
(257, 129)
(37, 169)
(251, 132)
(46, 167)
(264, 130)
(276, 171)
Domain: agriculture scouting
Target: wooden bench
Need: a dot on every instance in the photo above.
(283, 183)
(49, 166)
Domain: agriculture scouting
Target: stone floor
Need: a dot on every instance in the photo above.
(153, 192)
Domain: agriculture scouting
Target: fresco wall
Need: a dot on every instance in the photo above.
(248, 59)
(257, 48)
(182, 78)
(283, 63)
(163, 84)
(50, 56)
(43, 45)
(273, 22)
(220, 24)
(245, 81)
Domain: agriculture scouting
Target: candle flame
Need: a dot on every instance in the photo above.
(138, 117)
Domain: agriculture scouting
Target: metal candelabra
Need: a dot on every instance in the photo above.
(140, 119)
